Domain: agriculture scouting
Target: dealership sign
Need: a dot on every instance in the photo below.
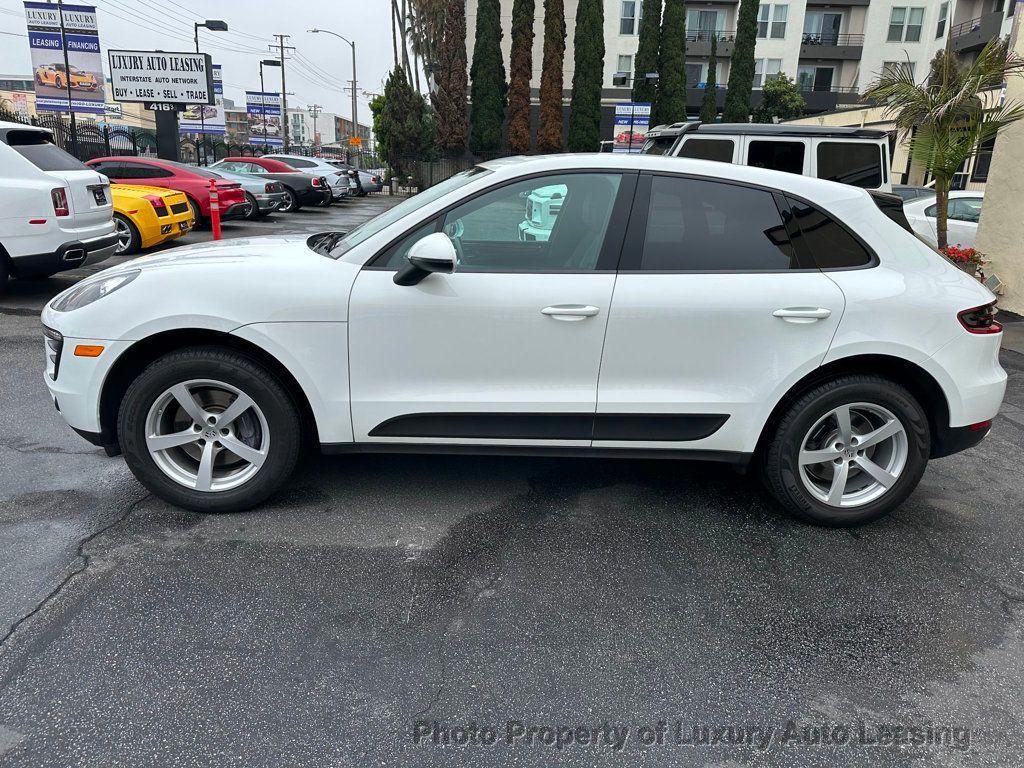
(632, 120)
(68, 65)
(263, 110)
(203, 118)
(153, 76)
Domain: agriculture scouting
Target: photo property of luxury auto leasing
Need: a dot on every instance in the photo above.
(69, 65)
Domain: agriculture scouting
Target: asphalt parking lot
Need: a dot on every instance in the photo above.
(438, 610)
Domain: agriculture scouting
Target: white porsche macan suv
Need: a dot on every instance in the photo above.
(677, 309)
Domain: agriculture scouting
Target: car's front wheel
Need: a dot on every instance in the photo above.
(209, 429)
(848, 451)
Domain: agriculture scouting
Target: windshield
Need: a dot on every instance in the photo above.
(336, 248)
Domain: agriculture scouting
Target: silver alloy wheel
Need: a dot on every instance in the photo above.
(207, 435)
(853, 455)
(124, 235)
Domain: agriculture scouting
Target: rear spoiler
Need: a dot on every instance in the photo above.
(892, 206)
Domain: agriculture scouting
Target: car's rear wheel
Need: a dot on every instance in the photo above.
(197, 215)
(848, 451)
(291, 201)
(209, 429)
(254, 208)
(128, 238)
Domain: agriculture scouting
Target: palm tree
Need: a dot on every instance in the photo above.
(952, 113)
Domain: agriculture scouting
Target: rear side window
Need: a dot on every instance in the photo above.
(785, 156)
(35, 147)
(658, 146)
(701, 226)
(829, 243)
(848, 163)
(719, 150)
(300, 163)
(141, 171)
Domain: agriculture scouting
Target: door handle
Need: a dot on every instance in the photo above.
(570, 312)
(802, 314)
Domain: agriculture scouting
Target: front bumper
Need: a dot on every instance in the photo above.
(70, 255)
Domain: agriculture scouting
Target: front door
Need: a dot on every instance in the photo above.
(505, 350)
(716, 313)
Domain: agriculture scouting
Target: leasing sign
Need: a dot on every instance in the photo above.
(67, 68)
(154, 76)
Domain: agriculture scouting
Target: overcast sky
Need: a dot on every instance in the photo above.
(314, 74)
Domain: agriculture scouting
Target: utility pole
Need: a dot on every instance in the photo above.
(314, 111)
(281, 47)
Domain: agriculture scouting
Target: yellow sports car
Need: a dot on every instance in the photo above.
(148, 216)
(57, 76)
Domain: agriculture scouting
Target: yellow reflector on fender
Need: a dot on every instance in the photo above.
(88, 350)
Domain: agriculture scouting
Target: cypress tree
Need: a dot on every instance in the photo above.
(549, 127)
(741, 68)
(709, 104)
(588, 59)
(520, 70)
(487, 75)
(670, 104)
(449, 96)
(648, 44)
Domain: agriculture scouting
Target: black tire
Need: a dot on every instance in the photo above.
(135, 239)
(254, 208)
(4, 273)
(198, 222)
(237, 370)
(291, 201)
(780, 469)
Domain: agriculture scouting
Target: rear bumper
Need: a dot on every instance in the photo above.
(270, 202)
(313, 195)
(235, 211)
(950, 440)
(70, 255)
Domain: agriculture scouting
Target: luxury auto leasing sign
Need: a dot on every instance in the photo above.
(156, 76)
(81, 72)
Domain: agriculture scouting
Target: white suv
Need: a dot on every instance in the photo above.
(677, 309)
(55, 213)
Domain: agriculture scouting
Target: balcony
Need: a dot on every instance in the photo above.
(830, 45)
(817, 100)
(698, 42)
(972, 35)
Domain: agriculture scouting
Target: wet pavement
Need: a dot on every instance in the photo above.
(405, 610)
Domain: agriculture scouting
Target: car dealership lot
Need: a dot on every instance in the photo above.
(509, 593)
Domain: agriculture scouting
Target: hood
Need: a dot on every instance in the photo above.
(235, 251)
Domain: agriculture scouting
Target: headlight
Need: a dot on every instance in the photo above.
(88, 292)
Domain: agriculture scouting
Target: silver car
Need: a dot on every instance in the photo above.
(339, 180)
(363, 182)
(264, 196)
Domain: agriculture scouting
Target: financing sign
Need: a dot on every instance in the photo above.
(264, 113)
(67, 68)
(155, 76)
(206, 118)
(632, 120)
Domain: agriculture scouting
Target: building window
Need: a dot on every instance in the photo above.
(771, 21)
(983, 161)
(627, 18)
(893, 67)
(766, 70)
(702, 25)
(905, 24)
(940, 28)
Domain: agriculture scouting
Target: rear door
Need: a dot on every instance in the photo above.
(858, 163)
(716, 313)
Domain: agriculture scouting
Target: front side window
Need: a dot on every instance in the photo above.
(700, 226)
(965, 209)
(659, 145)
(627, 18)
(829, 243)
(548, 224)
(857, 164)
(785, 156)
(719, 150)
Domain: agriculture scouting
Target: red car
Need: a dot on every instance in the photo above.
(194, 182)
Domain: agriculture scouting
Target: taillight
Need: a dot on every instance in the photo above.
(158, 204)
(59, 196)
(980, 319)
(317, 181)
(268, 188)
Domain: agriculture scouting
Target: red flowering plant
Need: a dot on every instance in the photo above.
(968, 259)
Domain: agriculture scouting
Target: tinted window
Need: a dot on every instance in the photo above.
(785, 156)
(109, 169)
(708, 149)
(965, 209)
(829, 244)
(35, 147)
(140, 171)
(847, 163)
(299, 163)
(658, 146)
(695, 225)
(548, 224)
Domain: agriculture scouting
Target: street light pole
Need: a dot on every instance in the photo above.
(355, 83)
(214, 25)
(263, 91)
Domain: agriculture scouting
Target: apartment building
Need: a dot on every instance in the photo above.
(833, 48)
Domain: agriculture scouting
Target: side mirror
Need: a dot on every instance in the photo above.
(434, 253)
